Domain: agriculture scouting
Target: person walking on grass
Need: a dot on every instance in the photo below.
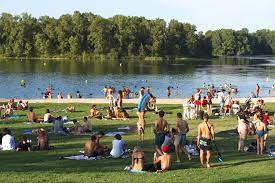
(181, 130)
(205, 135)
(161, 127)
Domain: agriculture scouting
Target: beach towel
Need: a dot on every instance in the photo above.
(112, 134)
(137, 171)
(124, 128)
(81, 157)
(27, 131)
(69, 123)
(14, 117)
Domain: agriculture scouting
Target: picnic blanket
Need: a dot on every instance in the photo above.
(82, 157)
(124, 128)
(27, 131)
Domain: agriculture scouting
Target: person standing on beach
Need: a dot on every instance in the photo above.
(257, 90)
(205, 135)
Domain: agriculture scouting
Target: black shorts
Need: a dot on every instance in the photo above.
(205, 144)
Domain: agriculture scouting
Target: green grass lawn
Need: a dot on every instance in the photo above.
(46, 167)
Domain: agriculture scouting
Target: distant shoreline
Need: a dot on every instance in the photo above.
(128, 101)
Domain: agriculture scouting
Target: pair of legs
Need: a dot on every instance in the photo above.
(141, 125)
(209, 109)
(241, 141)
(205, 151)
(260, 144)
(205, 161)
(179, 143)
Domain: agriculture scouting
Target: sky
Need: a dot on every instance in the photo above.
(205, 14)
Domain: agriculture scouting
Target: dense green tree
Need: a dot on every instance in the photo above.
(85, 34)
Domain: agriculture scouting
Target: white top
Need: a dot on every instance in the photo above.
(8, 143)
(47, 117)
(117, 149)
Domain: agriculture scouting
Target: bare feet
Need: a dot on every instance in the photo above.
(208, 165)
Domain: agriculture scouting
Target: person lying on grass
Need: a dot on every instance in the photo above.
(118, 146)
(24, 145)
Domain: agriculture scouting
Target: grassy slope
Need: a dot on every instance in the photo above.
(45, 167)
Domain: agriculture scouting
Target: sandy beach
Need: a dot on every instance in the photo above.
(127, 101)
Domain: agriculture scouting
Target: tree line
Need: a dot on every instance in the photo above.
(86, 34)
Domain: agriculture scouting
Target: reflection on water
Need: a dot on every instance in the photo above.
(70, 76)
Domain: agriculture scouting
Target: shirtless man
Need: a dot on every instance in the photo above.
(204, 138)
(163, 162)
(142, 105)
(257, 90)
(161, 127)
(180, 137)
(90, 147)
(260, 131)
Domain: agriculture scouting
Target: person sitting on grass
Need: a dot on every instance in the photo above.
(8, 142)
(48, 117)
(24, 145)
(70, 109)
(94, 113)
(22, 105)
(87, 126)
(163, 162)
(118, 146)
(90, 148)
(110, 113)
(58, 127)
(42, 140)
(102, 149)
(32, 117)
(138, 159)
(8, 113)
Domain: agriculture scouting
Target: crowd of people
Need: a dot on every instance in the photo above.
(168, 139)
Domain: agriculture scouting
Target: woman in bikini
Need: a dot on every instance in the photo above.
(137, 159)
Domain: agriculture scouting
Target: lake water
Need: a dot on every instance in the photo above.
(90, 77)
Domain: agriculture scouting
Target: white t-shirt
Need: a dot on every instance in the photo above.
(47, 117)
(236, 108)
(117, 149)
(8, 143)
